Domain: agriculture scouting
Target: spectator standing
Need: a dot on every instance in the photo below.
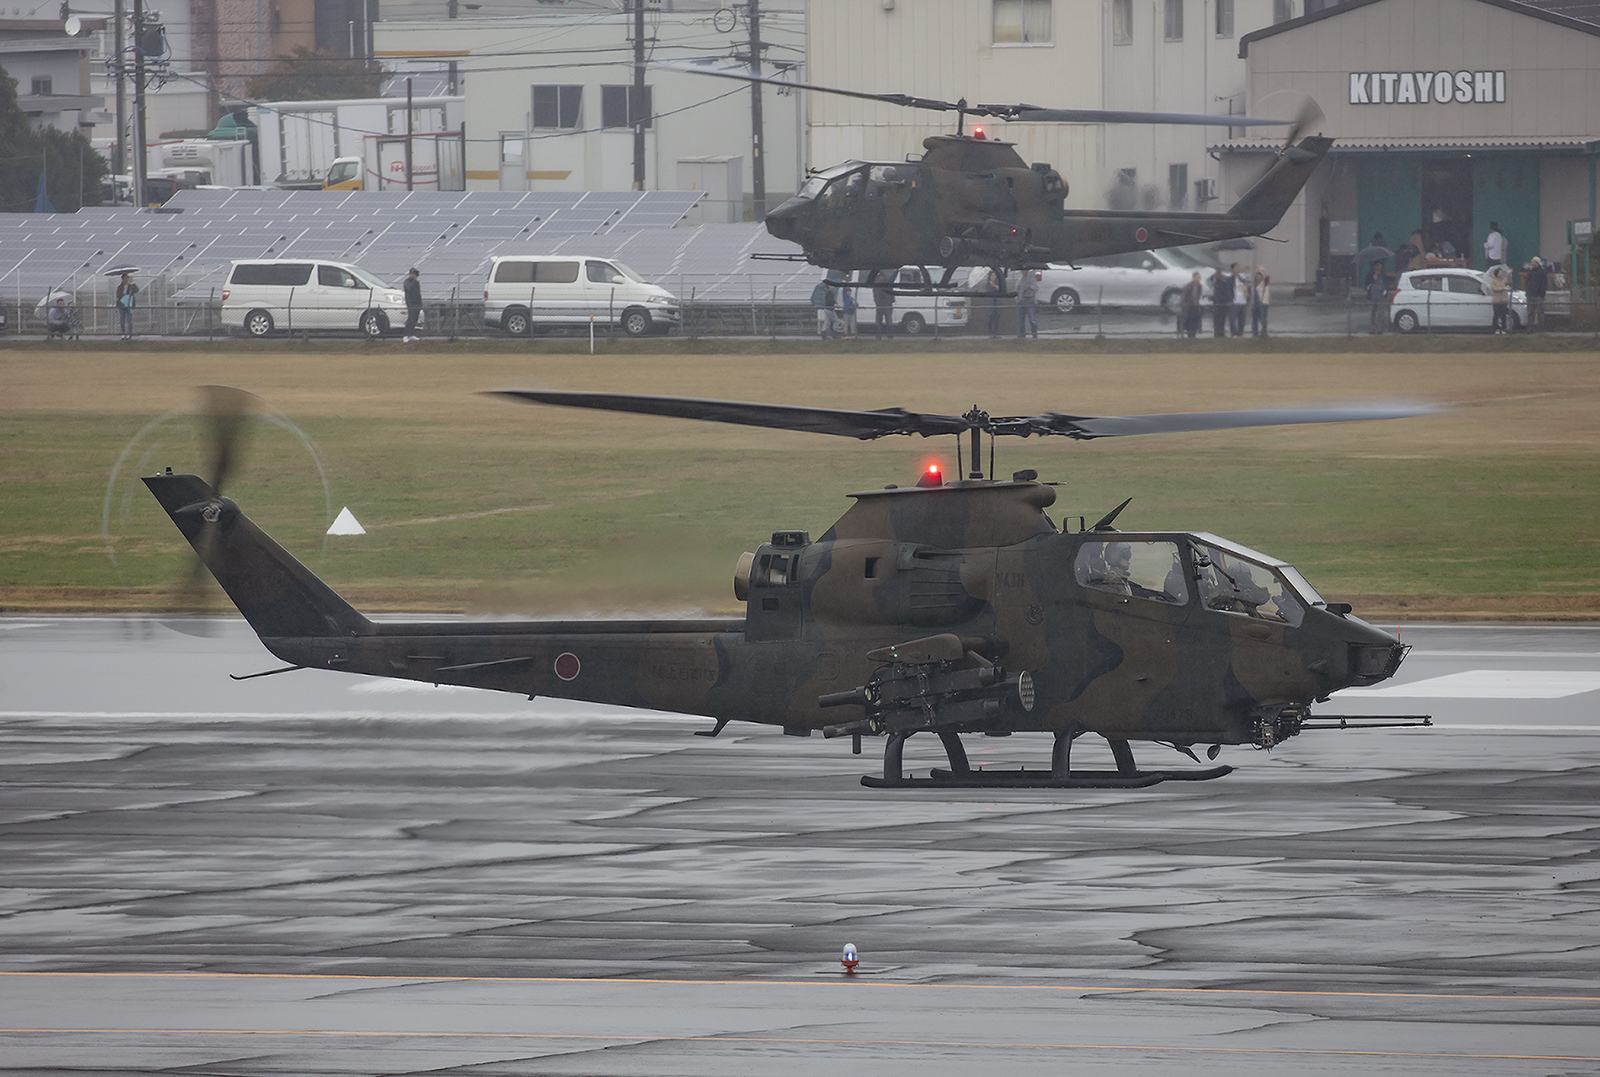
(1535, 283)
(1378, 296)
(1193, 292)
(883, 301)
(1494, 246)
(1221, 301)
(413, 292)
(1260, 302)
(847, 304)
(1500, 296)
(1027, 299)
(822, 300)
(125, 304)
(993, 285)
(1241, 299)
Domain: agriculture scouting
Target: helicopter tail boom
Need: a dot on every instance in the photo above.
(1270, 197)
(277, 594)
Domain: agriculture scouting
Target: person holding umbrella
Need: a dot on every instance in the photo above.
(125, 302)
(57, 324)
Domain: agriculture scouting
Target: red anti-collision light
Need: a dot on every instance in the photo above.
(932, 475)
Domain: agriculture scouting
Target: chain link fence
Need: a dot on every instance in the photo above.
(159, 314)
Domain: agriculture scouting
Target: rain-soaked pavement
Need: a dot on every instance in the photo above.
(321, 874)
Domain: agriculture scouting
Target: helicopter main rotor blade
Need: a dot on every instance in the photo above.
(1033, 113)
(865, 425)
(1084, 427)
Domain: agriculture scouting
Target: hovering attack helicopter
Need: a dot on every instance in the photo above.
(972, 200)
(946, 607)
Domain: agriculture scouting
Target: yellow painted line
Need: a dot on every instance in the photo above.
(829, 981)
(818, 1041)
(482, 173)
(550, 175)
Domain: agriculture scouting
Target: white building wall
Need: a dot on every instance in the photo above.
(500, 60)
(945, 49)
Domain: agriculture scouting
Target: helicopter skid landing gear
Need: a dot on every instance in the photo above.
(960, 774)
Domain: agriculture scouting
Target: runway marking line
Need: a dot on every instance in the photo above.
(828, 1041)
(838, 981)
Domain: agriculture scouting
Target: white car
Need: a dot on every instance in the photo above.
(915, 314)
(1139, 279)
(1449, 299)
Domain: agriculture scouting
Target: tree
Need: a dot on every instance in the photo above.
(72, 168)
(317, 75)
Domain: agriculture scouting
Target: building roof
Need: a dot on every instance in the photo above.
(1580, 15)
(1399, 143)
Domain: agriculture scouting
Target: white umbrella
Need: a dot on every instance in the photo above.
(119, 271)
(49, 301)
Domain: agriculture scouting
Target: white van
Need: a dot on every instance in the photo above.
(262, 295)
(524, 291)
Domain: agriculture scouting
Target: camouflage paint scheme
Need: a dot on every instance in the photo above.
(975, 201)
(911, 586)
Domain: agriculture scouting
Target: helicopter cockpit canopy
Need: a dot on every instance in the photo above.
(1225, 576)
(856, 179)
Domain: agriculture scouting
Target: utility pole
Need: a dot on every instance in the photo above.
(410, 115)
(140, 162)
(119, 157)
(636, 101)
(758, 159)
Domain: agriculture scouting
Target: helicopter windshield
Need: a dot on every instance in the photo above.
(1236, 579)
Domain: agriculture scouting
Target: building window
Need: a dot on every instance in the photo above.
(1174, 22)
(1282, 10)
(1122, 22)
(1177, 186)
(1224, 18)
(619, 109)
(1023, 22)
(42, 86)
(557, 107)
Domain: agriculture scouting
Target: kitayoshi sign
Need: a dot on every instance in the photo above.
(1427, 87)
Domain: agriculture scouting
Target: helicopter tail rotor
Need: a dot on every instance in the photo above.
(1308, 117)
(226, 415)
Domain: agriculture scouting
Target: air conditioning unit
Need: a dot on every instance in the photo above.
(1205, 190)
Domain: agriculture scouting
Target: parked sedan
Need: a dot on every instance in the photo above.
(1449, 299)
(1139, 279)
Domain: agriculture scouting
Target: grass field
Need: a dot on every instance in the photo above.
(1491, 509)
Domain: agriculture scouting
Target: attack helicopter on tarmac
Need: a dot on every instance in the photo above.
(947, 607)
(972, 200)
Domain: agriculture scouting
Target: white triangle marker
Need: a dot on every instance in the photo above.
(346, 524)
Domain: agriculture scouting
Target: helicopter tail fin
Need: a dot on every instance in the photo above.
(1270, 197)
(278, 595)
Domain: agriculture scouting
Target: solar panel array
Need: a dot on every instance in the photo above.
(183, 250)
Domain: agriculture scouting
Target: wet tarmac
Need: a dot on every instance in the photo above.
(321, 874)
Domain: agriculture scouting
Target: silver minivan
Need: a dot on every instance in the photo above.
(263, 295)
(525, 291)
